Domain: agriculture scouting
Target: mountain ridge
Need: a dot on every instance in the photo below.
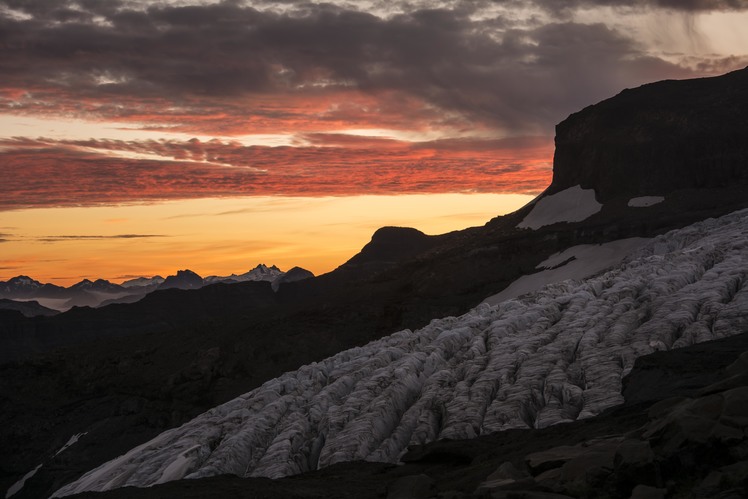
(101, 292)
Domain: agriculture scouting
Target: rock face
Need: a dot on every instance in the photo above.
(657, 138)
(391, 245)
(554, 356)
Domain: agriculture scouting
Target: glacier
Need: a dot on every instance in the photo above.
(554, 355)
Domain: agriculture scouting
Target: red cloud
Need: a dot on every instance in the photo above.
(310, 111)
(43, 173)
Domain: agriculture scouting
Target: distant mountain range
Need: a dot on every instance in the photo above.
(20, 292)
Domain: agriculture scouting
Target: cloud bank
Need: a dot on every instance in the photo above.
(231, 68)
(316, 65)
(46, 173)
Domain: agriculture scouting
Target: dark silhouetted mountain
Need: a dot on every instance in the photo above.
(101, 292)
(143, 282)
(99, 285)
(130, 298)
(27, 308)
(25, 287)
(184, 279)
(20, 284)
(293, 275)
(391, 245)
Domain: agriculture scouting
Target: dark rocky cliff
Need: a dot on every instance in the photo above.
(657, 138)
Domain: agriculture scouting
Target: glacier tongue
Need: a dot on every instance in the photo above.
(555, 355)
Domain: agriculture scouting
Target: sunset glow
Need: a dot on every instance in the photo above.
(221, 236)
(143, 137)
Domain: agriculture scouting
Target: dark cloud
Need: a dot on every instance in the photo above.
(678, 5)
(54, 239)
(230, 68)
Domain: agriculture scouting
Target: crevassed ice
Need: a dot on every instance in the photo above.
(554, 355)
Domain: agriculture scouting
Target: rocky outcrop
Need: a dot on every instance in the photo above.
(390, 245)
(655, 139)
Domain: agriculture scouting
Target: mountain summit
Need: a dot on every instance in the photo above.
(658, 138)
(184, 279)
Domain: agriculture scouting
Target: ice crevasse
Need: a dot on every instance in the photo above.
(554, 355)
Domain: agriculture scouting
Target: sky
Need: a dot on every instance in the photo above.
(138, 138)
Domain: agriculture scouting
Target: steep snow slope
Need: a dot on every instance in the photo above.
(555, 355)
(570, 205)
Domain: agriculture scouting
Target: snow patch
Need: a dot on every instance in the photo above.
(571, 205)
(71, 441)
(557, 354)
(13, 490)
(579, 262)
(644, 201)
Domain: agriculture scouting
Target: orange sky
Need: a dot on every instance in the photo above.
(144, 137)
(222, 236)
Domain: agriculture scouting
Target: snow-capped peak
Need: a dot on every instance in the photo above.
(260, 273)
(24, 282)
(142, 281)
(84, 284)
